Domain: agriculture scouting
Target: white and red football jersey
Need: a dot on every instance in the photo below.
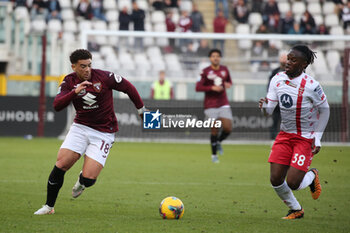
(298, 99)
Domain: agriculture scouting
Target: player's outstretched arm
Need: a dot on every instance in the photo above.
(324, 113)
(129, 89)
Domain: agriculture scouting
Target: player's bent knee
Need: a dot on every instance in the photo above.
(276, 181)
(86, 181)
(293, 185)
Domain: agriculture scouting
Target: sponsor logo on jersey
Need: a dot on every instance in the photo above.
(97, 87)
(286, 101)
(89, 99)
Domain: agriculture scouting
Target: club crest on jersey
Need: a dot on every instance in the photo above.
(287, 82)
(97, 87)
(286, 101)
(223, 73)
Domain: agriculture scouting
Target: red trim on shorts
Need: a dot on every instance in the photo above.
(299, 102)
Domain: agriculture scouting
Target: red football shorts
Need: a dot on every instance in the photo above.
(292, 150)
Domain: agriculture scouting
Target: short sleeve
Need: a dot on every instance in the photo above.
(317, 94)
(272, 94)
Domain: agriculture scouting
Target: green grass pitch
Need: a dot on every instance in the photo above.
(233, 196)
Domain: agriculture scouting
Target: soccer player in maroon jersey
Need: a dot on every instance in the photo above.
(304, 117)
(213, 81)
(93, 131)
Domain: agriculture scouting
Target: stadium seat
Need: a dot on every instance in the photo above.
(100, 25)
(318, 19)
(38, 25)
(85, 25)
(162, 42)
(298, 8)
(320, 65)
(126, 61)
(21, 13)
(314, 8)
(68, 36)
(337, 30)
(106, 50)
(65, 4)
(96, 55)
(333, 59)
(255, 19)
(243, 29)
(143, 4)
(110, 4)
(75, 3)
(112, 15)
(112, 64)
(283, 7)
(328, 8)
(141, 61)
(172, 62)
(148, 27)
(70, 26)
(186, 5)
(125, 3)
(276, 43)
(54, 25)
(157, 65)
(158, 17)
(159, 27)
(154, 52)
(98, 63)
(67, 14)
(331, 20)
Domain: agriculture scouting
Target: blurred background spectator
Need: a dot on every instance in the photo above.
(84, 9)
(197, 19)
(138, 19)
(54, 10)
(240, 12)
(219, 25)
(223, 6)
(307, 23)
(97, 9)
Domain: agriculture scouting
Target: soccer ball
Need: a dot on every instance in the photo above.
(171, 208)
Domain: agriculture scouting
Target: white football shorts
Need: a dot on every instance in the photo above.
(85, 140)
(216, 113)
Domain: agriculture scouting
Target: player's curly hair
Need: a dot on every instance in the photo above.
(214, 51)
(308, 53)
(79, 54)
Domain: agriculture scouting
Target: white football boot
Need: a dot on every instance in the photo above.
(77, 188)
(215, 159)
(45, 210)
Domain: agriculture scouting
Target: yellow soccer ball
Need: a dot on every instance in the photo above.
(171, 208)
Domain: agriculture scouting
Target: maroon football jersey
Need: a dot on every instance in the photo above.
(210, 77)
(94, 105)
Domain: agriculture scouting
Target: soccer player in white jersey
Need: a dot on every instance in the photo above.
(304, 116)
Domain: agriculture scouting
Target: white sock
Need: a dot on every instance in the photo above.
(308, 178)
(287, 196)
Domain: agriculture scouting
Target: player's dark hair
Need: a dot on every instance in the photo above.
(79, 54)
(214, 51)
(309, 55)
